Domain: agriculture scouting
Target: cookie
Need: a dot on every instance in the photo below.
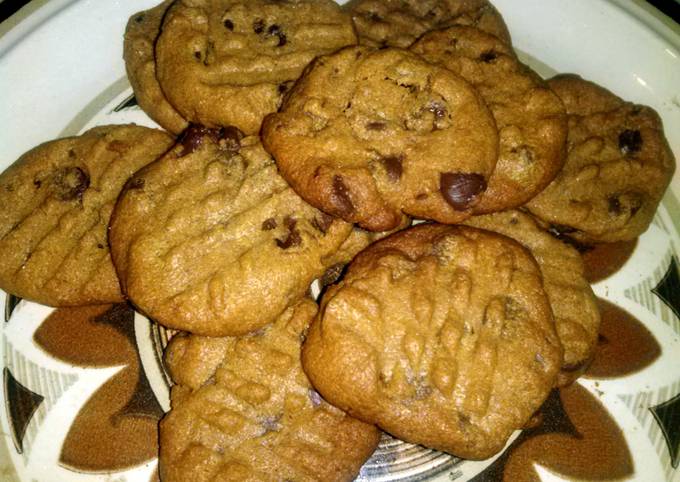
(373, 135)
(141, 33)
(228, 62)
(211, 240)
(441, 336)
(573, 303)
(618, 166)
(531, 119)
(398, 23)
(56, 202)
(243, 409)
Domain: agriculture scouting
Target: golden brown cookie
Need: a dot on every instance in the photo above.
(56, 202)
(573, 303)
(531, 121)
(618, 166)
(228, 62)
(374, 135)
(141, 33)
(243, 410)
(398, 23)
(441, 336)
(211, 240)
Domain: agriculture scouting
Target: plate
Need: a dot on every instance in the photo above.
(83, 389)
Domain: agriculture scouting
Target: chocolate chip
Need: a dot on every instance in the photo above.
(340, 197)
(275, 30)
(229, 24)
(258, 26)
(269, 224)
(192, 137)
(70, 183)
(322, 222)
(630, 142)
(139, 18)
(614, 206)
(230, 138)
(293, 238)
(393, 167)
(437, 108)
(37, 183)
(488, 56)
(197, 55)
(376, 126)
(71, 154)
(100, 246)
(282, 88)
(373, 17)
(460, 189)
(332, 274)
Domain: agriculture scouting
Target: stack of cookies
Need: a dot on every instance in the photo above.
(302, 140)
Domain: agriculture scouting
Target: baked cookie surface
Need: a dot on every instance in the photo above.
(618, 166)
(441, 336)
(398, 23)
(141, 33)
(573, 303)
(228, 62)
(211, 240)
(531, 120)
(243, 409)
(56, 202)
(374, 135)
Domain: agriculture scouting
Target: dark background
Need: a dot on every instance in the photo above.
(669, 7)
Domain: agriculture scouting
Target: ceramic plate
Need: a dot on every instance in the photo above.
(83, 389)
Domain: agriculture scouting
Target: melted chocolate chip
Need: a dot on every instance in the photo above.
(460, 189)
(269, 224)
(488, 56)
(258, 26)
(322, 222)
(630, 142)
(70, 183)
(275, 30)
(230, 138)
(37, 183)
(229, 24)
(393, 167)
(376, 126)
(293, 238)
(341, 198)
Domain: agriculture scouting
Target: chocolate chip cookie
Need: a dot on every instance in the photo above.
(228, 62)
(211, 240)
(618, 166)
(441, 336)
(374, 135)
(398, 23)
(531, 119)
(243, 409)
(573, 303)
(141, 33)
(56, 202)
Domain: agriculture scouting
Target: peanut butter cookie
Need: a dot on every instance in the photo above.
(228, 62)
(374, 135)
(243, 410)
(618, 166)
(441, 336)
(211, 240)
(56, 203)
